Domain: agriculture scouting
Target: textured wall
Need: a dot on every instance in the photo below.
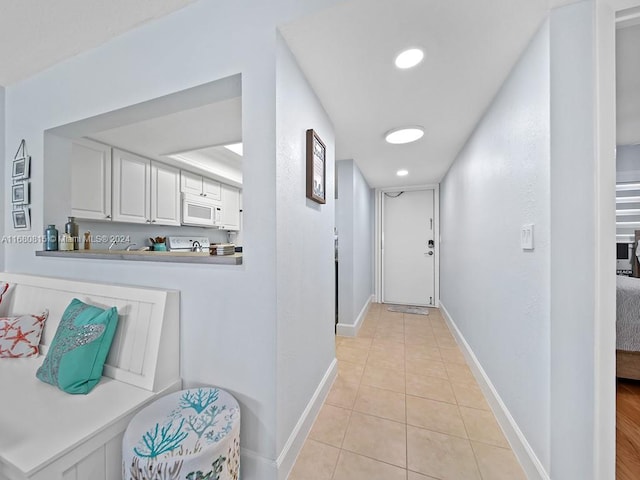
(355, 213)
(228, 314)
(496, 293)
(305, 266)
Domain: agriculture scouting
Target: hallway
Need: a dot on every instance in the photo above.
(405, 406)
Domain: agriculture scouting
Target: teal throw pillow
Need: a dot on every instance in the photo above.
(79, 348)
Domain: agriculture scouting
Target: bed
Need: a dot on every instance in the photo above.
(628, 327)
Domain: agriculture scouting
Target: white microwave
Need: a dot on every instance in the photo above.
(200, 211)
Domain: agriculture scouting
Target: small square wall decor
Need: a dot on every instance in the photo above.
(316, 167)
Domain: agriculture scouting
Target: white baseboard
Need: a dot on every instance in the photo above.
(292, 448)
(348, 330)
(531, 464)
(254, 466)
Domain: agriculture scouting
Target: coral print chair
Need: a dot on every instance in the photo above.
(192, 434)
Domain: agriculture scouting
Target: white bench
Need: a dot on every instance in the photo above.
(47, 434)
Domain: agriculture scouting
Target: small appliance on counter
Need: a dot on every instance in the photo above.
(188, 244)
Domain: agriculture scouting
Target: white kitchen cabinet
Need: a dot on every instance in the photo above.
(230, 208)
(190, 183)
(131, 188)
(90, 180)
(199, 185)
(165, 194)
(211, 189)
(144, 191)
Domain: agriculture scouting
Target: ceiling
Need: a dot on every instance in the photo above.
(36, 34)
(347, 54)
(193, 137)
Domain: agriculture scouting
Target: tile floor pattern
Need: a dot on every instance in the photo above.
(405, 406)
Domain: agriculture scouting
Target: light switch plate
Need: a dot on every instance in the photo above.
(526, 237)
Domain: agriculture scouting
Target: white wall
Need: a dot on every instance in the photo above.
(496, 293)
(228, 314)
(305, 266)
(539, 322)
(355, 215)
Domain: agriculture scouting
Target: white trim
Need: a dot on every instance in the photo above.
(604, 427)
(292, 448)
(254, 465)
(532, 466)
(378, 294)
(349, 330)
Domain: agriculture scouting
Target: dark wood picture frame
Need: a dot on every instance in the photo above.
(316, 168)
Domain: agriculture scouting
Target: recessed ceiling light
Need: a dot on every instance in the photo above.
(404, 135)
(235, 148)
(402, 173)
(409, 58)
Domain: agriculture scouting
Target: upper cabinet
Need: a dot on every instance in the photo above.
(198, 185)
(114, 185)
(90, 180)
(231, 208)
(144, 191)
(131, 188)
(165, 194)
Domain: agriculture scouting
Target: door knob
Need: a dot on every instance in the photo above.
(430, 252)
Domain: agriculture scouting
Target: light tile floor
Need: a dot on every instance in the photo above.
(405, 406)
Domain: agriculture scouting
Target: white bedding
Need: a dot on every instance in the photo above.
(628, 313)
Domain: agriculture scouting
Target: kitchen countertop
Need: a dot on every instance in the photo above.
(147, 256)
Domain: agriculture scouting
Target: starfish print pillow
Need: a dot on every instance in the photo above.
(3, 289)
(20, 335)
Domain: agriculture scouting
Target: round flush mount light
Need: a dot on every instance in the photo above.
(409, 58)
(402, 173)
(404, 135)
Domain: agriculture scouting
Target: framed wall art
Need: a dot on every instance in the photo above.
(21, 219)
(316, 167)
(20, 169)
(20, 193)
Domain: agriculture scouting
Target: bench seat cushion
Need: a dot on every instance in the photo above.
(40, 423)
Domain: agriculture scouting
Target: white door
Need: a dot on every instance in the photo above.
(408, 248)
(190, 183)
(211, 189)
(230, 208)
(131, 182)
(165, 194)
(90, 180)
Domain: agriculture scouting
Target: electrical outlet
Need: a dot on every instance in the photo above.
(526, 237)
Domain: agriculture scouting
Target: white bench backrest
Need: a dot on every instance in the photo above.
(145, 351)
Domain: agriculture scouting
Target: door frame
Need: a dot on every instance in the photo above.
(378, 284)
(608, 13)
